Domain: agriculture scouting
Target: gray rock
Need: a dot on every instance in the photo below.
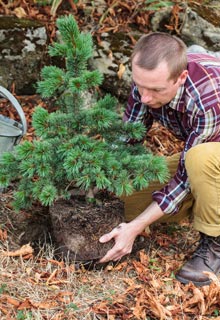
(193, 28)
(23, 52)
(112, 59)
(199, 49)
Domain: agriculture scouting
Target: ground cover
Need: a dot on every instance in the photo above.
(37, 285)
(34, 284)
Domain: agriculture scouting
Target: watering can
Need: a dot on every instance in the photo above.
(11, 131)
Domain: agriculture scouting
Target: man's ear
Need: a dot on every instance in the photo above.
(182, 77)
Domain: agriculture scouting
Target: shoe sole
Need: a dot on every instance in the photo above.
(197, 284)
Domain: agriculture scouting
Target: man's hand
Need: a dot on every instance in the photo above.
(124, 238)
(125, 234)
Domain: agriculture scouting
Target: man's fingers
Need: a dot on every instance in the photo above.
(111, 255)
(120, 248)
(108, 236)
(106, 258)
(115, 254)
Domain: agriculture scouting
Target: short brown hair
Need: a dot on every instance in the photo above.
(156, 47)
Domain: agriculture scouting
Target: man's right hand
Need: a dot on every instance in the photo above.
(124, 236)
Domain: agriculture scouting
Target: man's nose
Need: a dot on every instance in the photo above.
(146, 96)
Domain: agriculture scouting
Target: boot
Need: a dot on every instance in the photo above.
(205, 258)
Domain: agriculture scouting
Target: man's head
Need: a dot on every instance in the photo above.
(159, 67)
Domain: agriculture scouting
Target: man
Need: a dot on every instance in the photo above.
(182, 92)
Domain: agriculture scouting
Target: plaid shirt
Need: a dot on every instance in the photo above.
(192, 116)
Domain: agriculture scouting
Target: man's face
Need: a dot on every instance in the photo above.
(154, 86)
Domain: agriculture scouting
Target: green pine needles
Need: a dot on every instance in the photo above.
(77, 146)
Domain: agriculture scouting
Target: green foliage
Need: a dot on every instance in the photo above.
(24, 315)
(43, 2)
(3, 288)
(216, 312)
(154, 5)
(76, 145)
(73, 306)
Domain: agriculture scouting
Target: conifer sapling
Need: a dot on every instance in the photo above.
(77, 146)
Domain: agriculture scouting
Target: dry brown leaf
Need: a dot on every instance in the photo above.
(65, 297)
(198, 299)
(28, 256)
(13, 301)
(59, 263)
(159, 310)
(24, 250)
(50, 304)
(4, 310)
(129, 282)
(112, 11)
(139, 309)
(3, 235)
(55, 283)
(156, 307)
(139, 267)
(109, 268)
(144, 258)
(212, 294)
(6, 274)
(26, 304)
(65, 293)
(155, 283)
(37, 277)
(20, 12)
(123, 4)
(61, 315)
(213, 277)
(28, 270)
(121, 71)
(53, 274)
(121, 266)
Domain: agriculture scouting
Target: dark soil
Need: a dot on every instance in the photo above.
(78, 225)
(73, 227)
(27, 226)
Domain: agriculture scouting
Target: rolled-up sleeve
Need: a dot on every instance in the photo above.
(206, 127)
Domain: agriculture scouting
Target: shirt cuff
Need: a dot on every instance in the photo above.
(168, 206)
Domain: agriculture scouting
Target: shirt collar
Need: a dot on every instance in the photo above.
(177, 102)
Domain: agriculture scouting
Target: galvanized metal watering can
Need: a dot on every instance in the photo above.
(11, 131)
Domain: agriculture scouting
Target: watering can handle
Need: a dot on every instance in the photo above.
(6, 94)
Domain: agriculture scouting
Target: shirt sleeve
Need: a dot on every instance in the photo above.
(206, 127)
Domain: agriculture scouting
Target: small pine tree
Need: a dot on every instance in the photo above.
(77, 146)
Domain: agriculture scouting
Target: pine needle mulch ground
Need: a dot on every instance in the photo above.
(35, 285)
(142, 286)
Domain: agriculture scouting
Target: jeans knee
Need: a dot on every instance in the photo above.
(203, 159)
(194, 161)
